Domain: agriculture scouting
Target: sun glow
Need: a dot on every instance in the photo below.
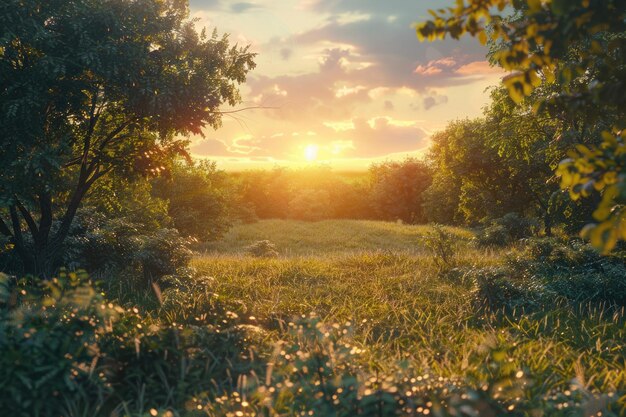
(310, 152)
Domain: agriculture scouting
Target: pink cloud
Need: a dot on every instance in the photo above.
(478, 68)
(422, 70)
(436, 66)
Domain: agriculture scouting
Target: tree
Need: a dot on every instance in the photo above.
(199, 197)
(91, 87)
(580, 45)
(490, 184)
(398, 188)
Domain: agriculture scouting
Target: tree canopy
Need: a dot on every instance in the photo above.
(90, 87)
(579, 46)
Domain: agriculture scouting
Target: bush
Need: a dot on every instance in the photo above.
(199, 199)
(262, 249)
(573, 270)
(398, 190)
(517, 227)
(498, 288)
(505, 230)
(48, 344)
(65, 350)
(319, 370)
(443, 247)
(119, 245)
(494, 235)
(544, 270)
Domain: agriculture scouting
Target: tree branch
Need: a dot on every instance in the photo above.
(4, 229)
(17, 228)
(245, 109)
(45, 222)
(32, 226)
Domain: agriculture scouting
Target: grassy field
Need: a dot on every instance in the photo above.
(404, 305)
(330, 237)
(345, 319)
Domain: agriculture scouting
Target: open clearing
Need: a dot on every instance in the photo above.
(382, 279)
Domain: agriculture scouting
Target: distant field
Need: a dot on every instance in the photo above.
(298, 238)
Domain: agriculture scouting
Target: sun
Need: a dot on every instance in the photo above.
(310, 152)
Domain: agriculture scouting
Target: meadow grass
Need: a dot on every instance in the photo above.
(384, 281)
(329, 237)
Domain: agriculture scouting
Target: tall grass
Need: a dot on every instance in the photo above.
(382, 279)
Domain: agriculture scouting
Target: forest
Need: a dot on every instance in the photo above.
(486, 277)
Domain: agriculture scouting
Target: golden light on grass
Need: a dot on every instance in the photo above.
(310, 152)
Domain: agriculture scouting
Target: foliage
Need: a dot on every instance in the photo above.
(544, 271)
(397, 189)
(577, 47)
(443, 246)
(388, 191)
(310, 205)
(49, 344)
(593, 169)
(93, 87)
(199, 199)
(505, 230)
(123, 229)
(65, 350)
(262, 249)
(465, 154)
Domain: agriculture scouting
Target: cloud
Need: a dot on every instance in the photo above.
(286, 53)
(331, 69)
(434, 99)
(328, 94)
(356, 138)
(220, 6)
(480, 68)
(242, 7)
(210, 147)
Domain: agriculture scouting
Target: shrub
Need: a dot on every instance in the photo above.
(443, 247)
(494, 235)
(65, 350)
(398, 189)
(573, 270)
(505, 230)
(199, 199)
(119, 245)
(262, 249)
(48, 344)
(498, 288)
(319, 370)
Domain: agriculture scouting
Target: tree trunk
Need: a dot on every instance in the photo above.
(547, 222)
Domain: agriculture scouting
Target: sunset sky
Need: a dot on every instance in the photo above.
(345, 82)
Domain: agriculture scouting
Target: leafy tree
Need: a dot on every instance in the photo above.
(489, 184)
(266, 191)
(92, 87)
(199, 197)
(397, 190)
(310, 204)
(580, 45)
(502, 163)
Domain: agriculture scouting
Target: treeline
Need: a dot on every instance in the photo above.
(476, 173)
(388, 191)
